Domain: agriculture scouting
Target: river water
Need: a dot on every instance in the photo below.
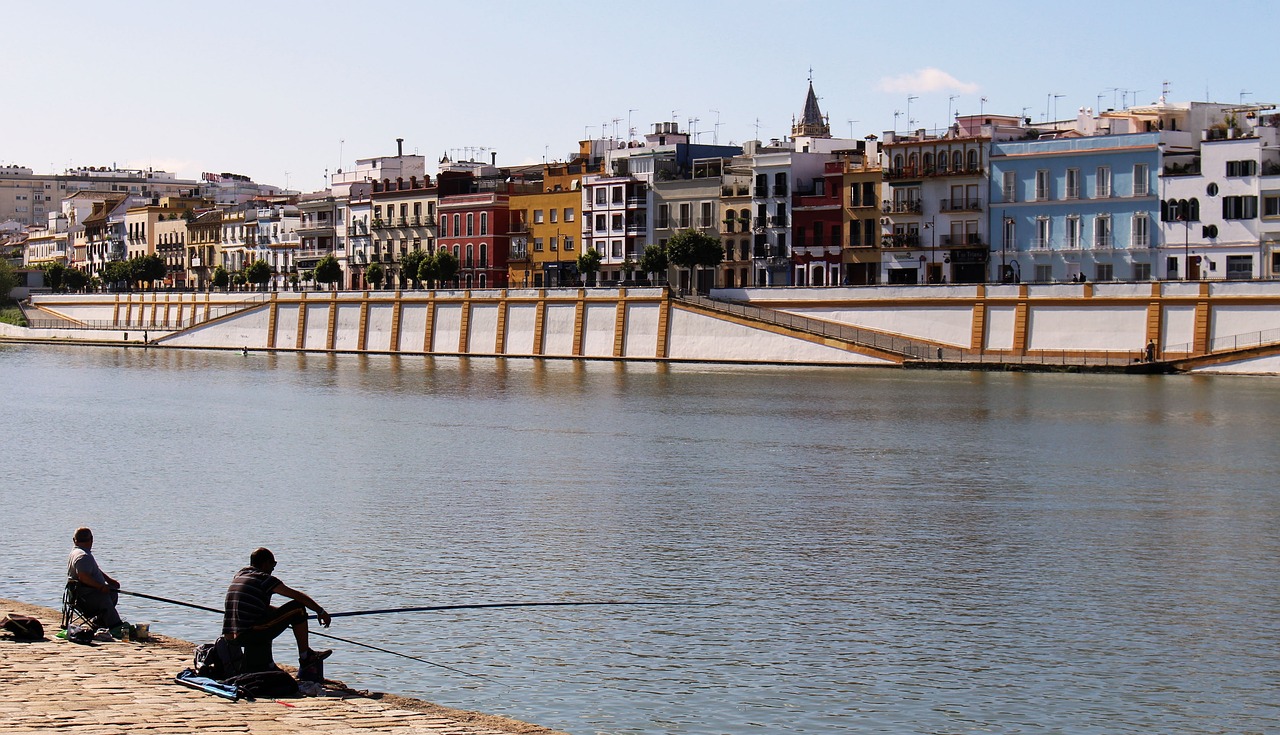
(850, 549)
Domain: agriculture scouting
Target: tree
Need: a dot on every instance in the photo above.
(115, 273)
(221, 278)
(8, 279)
(293, 281)
(75, 279)
(692, 249)
(447, 266)
(589, 264)
(654, 260)
(153, 269)
(258, 272)
(411, 264)
(374, 273)
(628, 267)
(328, 271)
(53, 274)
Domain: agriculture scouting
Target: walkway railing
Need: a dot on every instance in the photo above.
(214, 312)
(1231, 342)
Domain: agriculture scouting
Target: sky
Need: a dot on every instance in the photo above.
(286, 91)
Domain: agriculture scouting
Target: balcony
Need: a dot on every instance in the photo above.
(967, 240)
(518, 228)
(634, 228)
(1039, 243)
(776, 221)
(760, 192)
(634, 201)
(1102, 242)
(960, 205)
(780, 190)
(901, 240)
(909, 207)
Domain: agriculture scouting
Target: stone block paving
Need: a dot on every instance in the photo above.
(128, 687)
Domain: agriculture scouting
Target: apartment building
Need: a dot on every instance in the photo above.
(545, 231)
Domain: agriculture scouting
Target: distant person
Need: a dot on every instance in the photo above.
(97, 594)
(250, 620)
(1151, 351)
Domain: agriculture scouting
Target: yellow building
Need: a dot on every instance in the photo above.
(862, 196)
(545, 231)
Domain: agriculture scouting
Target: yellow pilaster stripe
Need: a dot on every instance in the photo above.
(395, 322)
(363, 339)
(500, 339)
(429, 328)
(115, 312)
(664, 322)
(333, 321)
(1021, 316)
(464, 324)
(539, 322)
(273, 315)
(1201, 345)
(579, 320)
(620, 324)
(301, 342)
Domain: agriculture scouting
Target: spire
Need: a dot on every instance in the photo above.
(812, 123)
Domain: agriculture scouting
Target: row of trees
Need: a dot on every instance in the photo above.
(689, 249)
(136, 271)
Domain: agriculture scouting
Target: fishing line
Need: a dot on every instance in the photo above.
(430, 608)
(313, 632)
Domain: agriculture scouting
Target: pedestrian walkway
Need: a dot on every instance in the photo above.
(128, 687)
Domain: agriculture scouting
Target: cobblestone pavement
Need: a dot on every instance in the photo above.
(119, 687)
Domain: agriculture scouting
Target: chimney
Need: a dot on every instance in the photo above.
(493, 158)
(399, 147)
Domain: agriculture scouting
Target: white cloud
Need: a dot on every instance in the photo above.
(926, 80)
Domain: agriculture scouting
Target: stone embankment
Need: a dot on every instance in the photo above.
(128, 687)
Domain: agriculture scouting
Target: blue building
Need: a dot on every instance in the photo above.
(1072, 207)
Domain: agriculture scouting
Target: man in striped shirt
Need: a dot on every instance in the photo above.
(252, 622)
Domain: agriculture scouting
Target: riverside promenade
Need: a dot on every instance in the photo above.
(128, 687)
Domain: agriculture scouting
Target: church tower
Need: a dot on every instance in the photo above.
(812, 123)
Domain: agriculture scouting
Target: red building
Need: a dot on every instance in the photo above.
(817, 228)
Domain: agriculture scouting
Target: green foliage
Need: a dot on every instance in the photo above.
(75, 279)
(447, 266)
(653, 259)
(53, 275)
(374, 273)
(693, 249)
(12, 315)
(258, 272)
(8, 279)
(589, 263)
(221, 278)
(328, 270)
(411, 265)
(238, 279)
(115, 272)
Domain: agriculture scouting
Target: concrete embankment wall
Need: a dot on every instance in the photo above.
(1183, 319)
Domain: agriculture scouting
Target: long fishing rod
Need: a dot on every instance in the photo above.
(432, 608)
(313, 632)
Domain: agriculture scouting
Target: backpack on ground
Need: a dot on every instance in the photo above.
(269, 683)
(218, 660)
(23, 627)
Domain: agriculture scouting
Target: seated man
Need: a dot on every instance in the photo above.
(250, 620)
(97, 593)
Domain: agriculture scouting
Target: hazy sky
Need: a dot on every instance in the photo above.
(282, 91)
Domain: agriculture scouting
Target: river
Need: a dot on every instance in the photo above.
(860, 550)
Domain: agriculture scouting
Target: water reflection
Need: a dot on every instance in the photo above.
(863, 550)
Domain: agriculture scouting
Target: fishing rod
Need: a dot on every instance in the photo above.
(433, 608)
(313, 632)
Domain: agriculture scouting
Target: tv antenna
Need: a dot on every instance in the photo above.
(715, 135)
(950, 99)
(910, 120)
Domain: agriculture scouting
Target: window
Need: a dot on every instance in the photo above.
(568, 242)
(377, 212)
(1042, 185)
(457, 225)
(602, 223)
(537, 216)
(471, 224)
(616, 223)
(1044, 273)
(1141, 180)
(1102, 231)
(1242, 168)
(664, 216)
(1010, 234)
(568, 214)
(1239, 267)
(973, 160)
(1073, 183)
(555, 244)
(957, 160)
(404, 211)
(1240, 207)
(615, 249)
(602, 196)
(1009, 186)
(1042, 234)
(705, 214)
(1271, 205)
(1073, 232)
(1142, 271)
(444, 225)
(484, 223)
(1103, 272)
(855, 234)
(1102, 183)
(686, 211)
(555, 216)
(1140, 236)
(537, 244)
(617, 195)
(943, 158)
